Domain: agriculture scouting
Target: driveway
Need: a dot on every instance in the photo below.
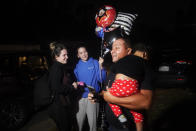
(168, 105)
(40, 122)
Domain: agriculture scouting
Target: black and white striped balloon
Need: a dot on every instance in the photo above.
(125, 21)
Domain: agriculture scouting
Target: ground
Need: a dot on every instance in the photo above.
(172, 109)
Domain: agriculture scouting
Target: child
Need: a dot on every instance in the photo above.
(125, 86)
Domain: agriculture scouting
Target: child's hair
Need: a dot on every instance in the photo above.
(143, 47)
(81, 46)
(56, 48)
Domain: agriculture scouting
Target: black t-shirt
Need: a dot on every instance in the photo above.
(131, 66)
(134, 67)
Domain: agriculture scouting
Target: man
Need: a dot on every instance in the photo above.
(121, 48)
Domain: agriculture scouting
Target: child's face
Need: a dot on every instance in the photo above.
(141, 54)
(83, 54)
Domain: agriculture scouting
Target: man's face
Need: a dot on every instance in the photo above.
(119, 50)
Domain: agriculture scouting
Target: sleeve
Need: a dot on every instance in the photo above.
(147, 83)
(75, 73)
(101, 73)
(57, 83)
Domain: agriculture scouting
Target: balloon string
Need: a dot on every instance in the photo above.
(102, 43)
(102, 57)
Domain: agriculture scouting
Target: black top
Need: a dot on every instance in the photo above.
(59, 83)
(134, 67)
(131, 66)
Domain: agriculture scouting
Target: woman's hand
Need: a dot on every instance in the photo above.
(90, 97)
(101, 60)
(75, 85)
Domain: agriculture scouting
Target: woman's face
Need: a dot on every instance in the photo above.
(82, 54)
(62, 58)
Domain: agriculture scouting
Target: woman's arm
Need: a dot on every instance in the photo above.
(100, 71)
(57, 83)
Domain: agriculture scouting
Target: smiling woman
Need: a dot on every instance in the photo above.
(62, 58)
(89, 71)
(61, 88)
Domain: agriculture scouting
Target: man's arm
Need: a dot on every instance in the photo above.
(137, 101)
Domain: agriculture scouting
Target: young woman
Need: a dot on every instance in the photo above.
(89, 71)
(61, 87)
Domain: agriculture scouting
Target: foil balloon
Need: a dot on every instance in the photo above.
(99, 31)
(125, 21)
(105, 16)
(110, 37)
(106, 51)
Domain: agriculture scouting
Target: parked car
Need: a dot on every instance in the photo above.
(174, 68)
(20, 65)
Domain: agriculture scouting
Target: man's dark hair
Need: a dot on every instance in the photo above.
(118, 33)
(127, 42)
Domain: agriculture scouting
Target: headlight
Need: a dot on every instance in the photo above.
(163, 68)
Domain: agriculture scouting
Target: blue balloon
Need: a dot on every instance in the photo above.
(99, 31)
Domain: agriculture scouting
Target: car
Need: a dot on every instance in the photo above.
(20, 66)
(173, 68)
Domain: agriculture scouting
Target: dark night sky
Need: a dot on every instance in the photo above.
(42, 20)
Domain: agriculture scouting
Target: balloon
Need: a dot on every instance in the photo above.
(99, 31)
(106, 51)
(105, 16)
(110, 37)
(125, 21)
